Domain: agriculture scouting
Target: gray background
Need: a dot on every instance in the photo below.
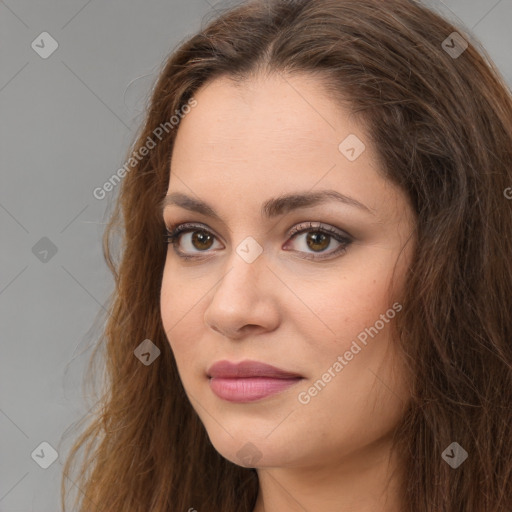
(67, 122)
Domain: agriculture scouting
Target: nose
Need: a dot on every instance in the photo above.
(244, 300)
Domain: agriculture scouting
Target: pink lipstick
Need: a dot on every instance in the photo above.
(248, 381)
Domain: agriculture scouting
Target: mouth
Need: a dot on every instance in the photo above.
(249, 381)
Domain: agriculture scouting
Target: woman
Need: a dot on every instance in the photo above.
(313, 302)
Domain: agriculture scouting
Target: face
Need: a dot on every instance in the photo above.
(303, 284)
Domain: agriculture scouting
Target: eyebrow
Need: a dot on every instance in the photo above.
(271, 208)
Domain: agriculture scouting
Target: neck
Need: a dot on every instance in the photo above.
(364, 481)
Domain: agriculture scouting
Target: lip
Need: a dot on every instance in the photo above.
(248, 381)
(245, 369)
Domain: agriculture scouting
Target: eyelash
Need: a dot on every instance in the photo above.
(175, 231)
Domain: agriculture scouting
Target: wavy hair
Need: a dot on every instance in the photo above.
(442, 128)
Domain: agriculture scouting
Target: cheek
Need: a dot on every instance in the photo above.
(353, 381)
(179, 307)
(338, 308)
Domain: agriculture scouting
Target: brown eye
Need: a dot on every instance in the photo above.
(202, 240)
(317, 241)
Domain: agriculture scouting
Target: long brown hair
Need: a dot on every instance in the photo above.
(442, 127)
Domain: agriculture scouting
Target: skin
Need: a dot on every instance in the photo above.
(239, 147)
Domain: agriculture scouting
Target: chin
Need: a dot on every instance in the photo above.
(256, 452)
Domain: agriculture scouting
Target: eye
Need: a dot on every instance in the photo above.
(318, 239)
(201, 239)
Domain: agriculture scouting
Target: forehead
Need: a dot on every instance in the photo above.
(290, 115)
(268, 136)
